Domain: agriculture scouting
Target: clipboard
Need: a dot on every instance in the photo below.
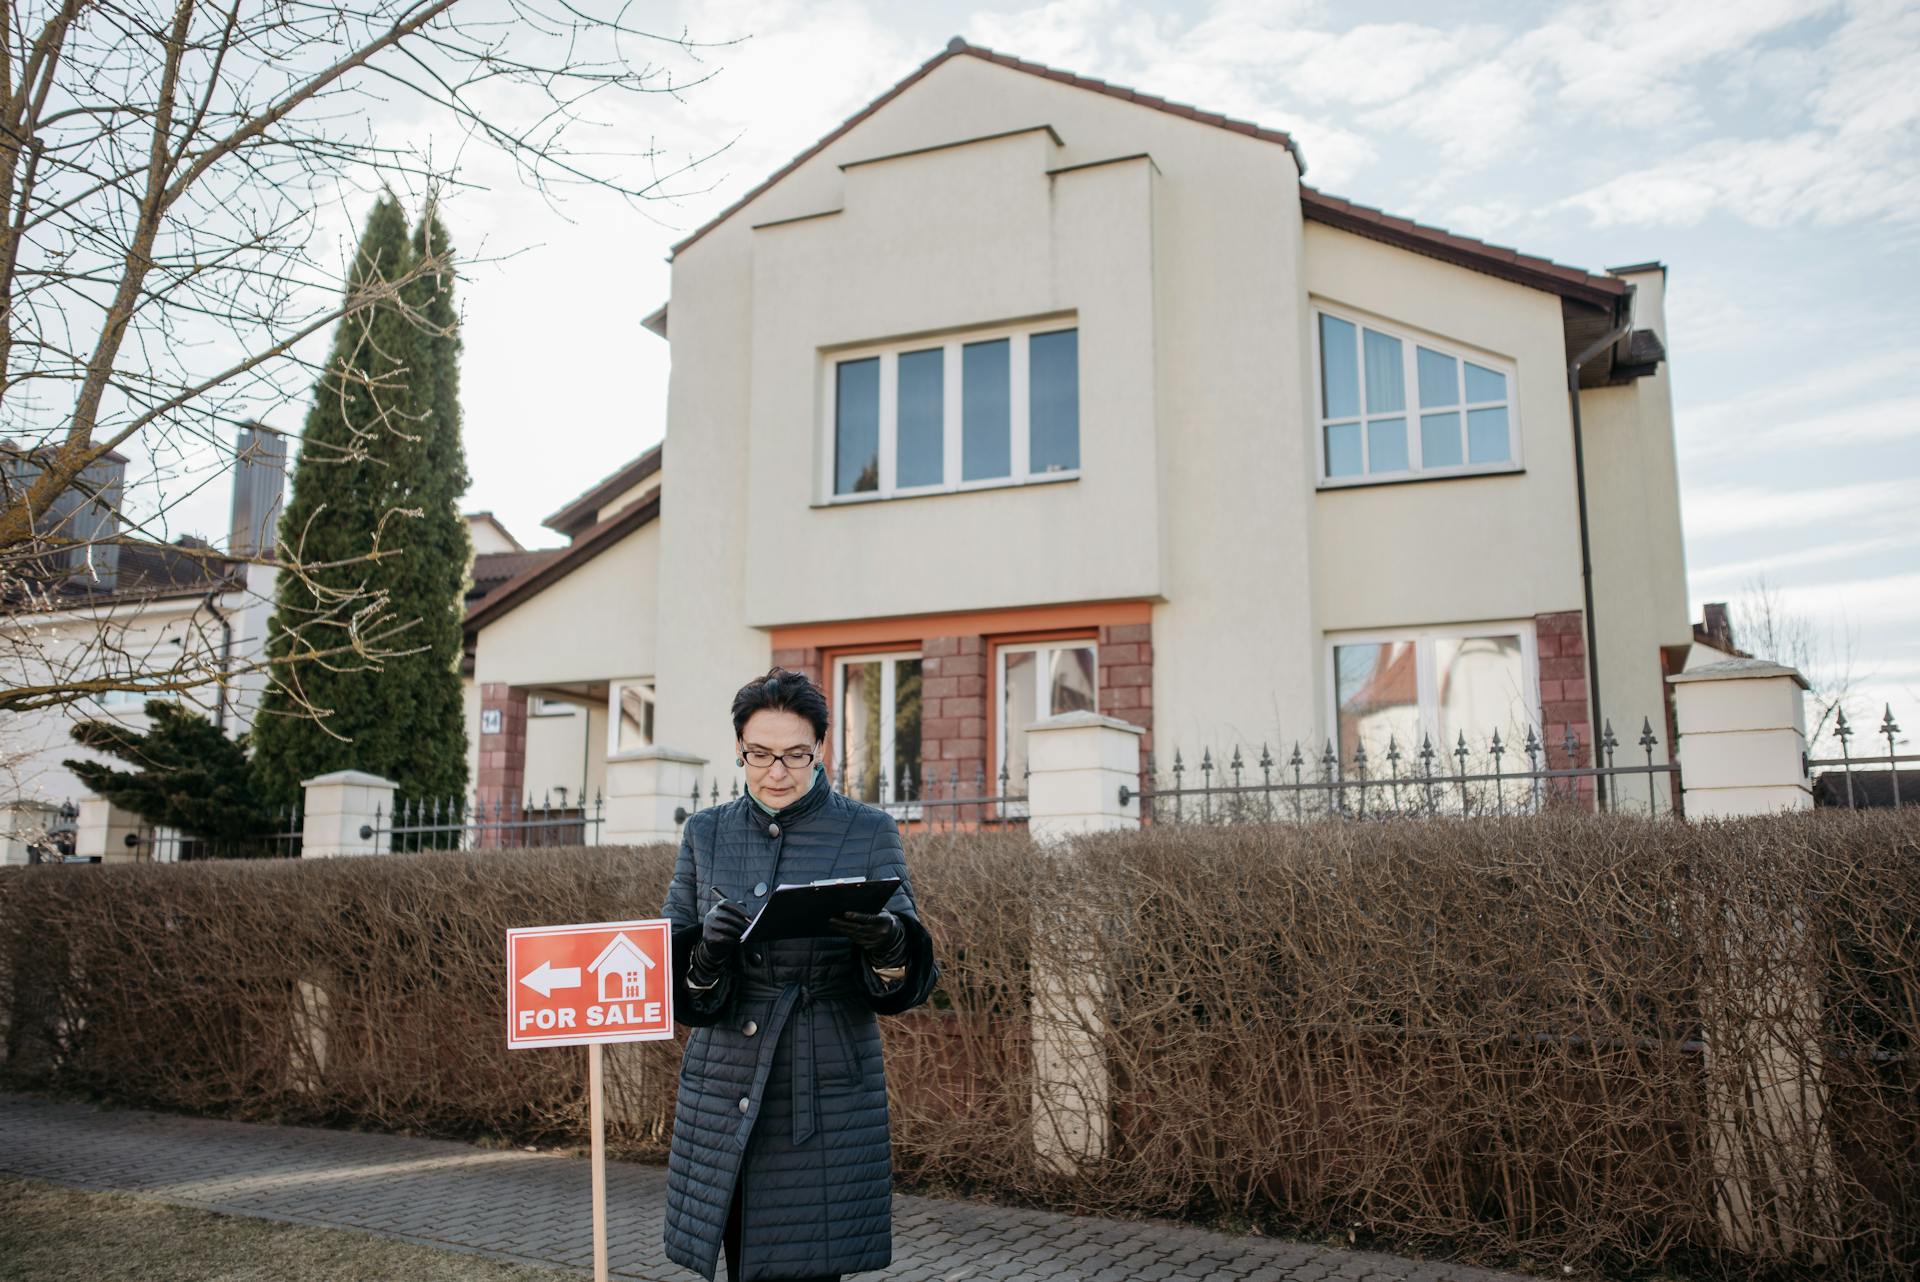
(802, 911)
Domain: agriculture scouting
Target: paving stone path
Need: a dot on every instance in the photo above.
(533, 1207)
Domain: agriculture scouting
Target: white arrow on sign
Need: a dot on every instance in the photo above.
(544, 978)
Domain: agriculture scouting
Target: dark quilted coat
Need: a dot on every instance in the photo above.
(782, 1084)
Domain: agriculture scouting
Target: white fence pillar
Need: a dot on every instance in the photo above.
(645, 786)
(339, 806)
(1743, 751)
(1743, 739)
(1078, 762)
(106, 832)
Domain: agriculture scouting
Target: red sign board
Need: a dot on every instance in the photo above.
(609, 981)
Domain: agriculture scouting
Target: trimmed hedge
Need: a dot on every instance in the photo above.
(1604, 1043)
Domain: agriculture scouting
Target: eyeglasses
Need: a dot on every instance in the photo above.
(795, 758)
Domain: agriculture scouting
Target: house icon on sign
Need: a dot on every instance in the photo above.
(622, 968)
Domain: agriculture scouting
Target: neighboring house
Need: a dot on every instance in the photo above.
(139, 608)
(561, 645)
(1020, 393)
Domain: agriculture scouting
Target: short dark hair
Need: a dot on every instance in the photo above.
(782, 691)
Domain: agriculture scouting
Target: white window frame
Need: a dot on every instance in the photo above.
(889, 698)
(1019, 426)
(1425, 679)
(1411, 340)
(1042, 689)
(614, 690)
(541, 705)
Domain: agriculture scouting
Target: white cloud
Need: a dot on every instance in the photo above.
(1721, 510)
(1862, 399)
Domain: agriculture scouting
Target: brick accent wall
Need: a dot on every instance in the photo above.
(1561, 640)
(807, 661)
(1126, 678)
(503, 754)
(953, 709)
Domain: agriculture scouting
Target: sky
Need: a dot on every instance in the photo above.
(1767, 151)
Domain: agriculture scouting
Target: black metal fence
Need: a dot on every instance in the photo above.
(1870, 780)
(459, 823)
(931, 803)
(1494, 778)
(170, 845)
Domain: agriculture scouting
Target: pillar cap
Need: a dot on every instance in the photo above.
(655, 752)
(356, 777)
(1079, 720)
(1737, 669)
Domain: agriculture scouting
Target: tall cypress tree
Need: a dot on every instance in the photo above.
(381, 439)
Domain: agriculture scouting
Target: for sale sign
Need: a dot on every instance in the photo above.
(609, 981)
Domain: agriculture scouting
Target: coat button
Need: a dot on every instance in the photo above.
(754, 955)
(773, 830)
(760, 888)
(750, 1028)
(745, 1103)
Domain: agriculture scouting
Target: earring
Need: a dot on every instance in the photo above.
(739, 761)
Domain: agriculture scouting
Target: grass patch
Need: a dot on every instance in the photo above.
(49, 1232)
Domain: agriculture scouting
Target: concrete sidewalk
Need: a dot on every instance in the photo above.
(534, 1208)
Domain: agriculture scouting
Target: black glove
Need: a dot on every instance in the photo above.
(720, 932)
(880, 935)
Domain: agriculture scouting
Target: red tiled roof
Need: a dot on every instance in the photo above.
(960, 48)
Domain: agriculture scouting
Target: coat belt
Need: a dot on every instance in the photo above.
(786, 998)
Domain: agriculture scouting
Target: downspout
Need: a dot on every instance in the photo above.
(1612, 336)
(226, 662)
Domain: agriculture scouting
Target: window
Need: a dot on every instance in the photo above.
(1442, 682)
(541, 706)
(630, 723)
(877, 697)
(1038, 681)
(1393, 406)
(989, 410)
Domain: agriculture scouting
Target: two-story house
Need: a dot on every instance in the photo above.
(1020, 392)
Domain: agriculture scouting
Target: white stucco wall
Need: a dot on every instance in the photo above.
(1639, 558)
(1182, 259)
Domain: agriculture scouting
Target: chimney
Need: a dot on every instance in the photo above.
(1717, 625)
(259, 482)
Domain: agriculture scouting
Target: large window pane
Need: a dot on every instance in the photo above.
(1019, 701)
(1387, 445)
(1487, 436)
(1386, 375)
(1440, 440)
(1343, 449)
(1378, 689)
(1073, 681)
(860, 731)
(986, 438)
(1053, 399)
(856, 427)
(1339, 369)
(1439, 380)
(921, 451)
(1480, 686)
(906, 727)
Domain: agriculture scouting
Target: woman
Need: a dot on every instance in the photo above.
(781, 1152)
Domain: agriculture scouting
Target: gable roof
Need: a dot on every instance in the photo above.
(563, 561)
(958, 48)
(578, 514)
